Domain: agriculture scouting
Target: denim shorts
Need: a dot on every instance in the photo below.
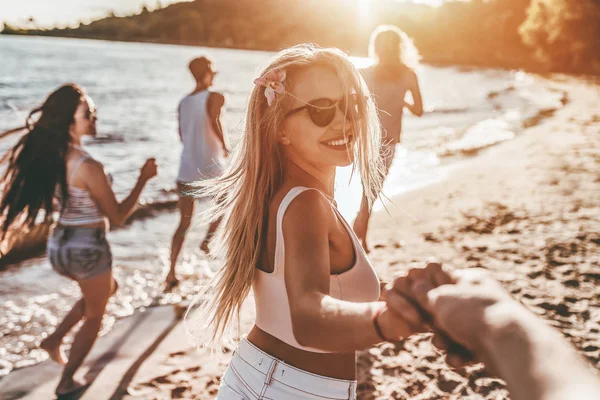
(79, 253)
(255, 375)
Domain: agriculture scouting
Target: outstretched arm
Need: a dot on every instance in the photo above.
(475, 311)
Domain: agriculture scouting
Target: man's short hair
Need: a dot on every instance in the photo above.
(199, 67)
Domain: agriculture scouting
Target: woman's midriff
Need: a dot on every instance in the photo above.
(95, 225)
(333, 365)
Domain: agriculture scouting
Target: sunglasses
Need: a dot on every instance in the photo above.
(322, 111)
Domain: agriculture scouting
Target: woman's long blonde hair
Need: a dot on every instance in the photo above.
(242, 195)
(390, 45)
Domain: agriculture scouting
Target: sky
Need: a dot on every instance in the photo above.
(49, 13)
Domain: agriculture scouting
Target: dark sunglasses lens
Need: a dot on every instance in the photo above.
(321, 112)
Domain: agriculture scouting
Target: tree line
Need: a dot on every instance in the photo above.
(541, 35)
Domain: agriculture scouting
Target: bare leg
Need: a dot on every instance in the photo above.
(212, 229)
(186, 211)
(53, 342)
(361, 223)
(96, 292)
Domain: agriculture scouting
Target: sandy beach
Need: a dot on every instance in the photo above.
(527, 210)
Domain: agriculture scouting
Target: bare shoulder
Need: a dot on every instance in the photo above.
(216, 98)
(310, 210)
(92, 167)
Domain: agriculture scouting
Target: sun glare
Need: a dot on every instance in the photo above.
(363, 7)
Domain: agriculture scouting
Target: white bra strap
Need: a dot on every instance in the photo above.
(79, 162)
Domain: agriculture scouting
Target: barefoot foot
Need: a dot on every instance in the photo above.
(54, 351)
(170, 283)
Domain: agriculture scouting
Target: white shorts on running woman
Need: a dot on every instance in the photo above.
(255, 375)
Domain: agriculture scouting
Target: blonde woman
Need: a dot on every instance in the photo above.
(390, 79)
(317, 296)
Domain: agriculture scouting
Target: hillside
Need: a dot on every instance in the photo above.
(532, 34)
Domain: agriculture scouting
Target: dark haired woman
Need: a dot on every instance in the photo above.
(48, 168)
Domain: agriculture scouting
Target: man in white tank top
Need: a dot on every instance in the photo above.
(203, 153)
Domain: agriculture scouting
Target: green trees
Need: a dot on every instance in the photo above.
(564, 34)
(535, 34)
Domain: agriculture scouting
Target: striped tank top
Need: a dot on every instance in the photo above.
(80, 209)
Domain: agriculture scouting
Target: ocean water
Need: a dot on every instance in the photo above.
(137, 87)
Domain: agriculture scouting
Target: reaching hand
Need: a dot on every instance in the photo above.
(149, 170)
(456, 304)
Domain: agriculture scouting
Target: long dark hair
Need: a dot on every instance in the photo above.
(36, 165)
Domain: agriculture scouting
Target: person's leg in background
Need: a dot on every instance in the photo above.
(361, 223)
(186, 211)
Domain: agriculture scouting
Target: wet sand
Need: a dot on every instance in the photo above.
(527, 210)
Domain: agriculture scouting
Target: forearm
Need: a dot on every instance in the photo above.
(220, 136)
(414, 108)
(534, 360)
(127, 206)
(338, 326)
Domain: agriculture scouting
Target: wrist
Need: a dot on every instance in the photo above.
(142, 179)
(506, 319)
(381, 323)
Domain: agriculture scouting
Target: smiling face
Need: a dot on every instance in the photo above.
(84, 119)
(315, 99)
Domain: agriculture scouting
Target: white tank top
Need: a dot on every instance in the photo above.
(80, 209)
(359, 284)
(202, 154)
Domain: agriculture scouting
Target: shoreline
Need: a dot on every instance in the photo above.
(438, 62)
(525, 212)
(523, 209)
(19, 247)
(140, 268)
(413, 368)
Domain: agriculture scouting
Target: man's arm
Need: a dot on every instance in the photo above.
(535, 360)
(472, 309)
(214, 106)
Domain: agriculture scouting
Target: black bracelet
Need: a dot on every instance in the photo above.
(377, 327)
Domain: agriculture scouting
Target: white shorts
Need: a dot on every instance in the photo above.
(255, 375)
